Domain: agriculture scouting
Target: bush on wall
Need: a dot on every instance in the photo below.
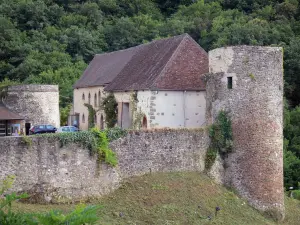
(220, 134)
(110, 107)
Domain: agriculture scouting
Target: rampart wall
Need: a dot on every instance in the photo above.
(51, 173)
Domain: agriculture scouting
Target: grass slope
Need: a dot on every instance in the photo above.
(176, 198)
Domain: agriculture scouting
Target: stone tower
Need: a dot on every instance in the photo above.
(247, 82)
(37, 104)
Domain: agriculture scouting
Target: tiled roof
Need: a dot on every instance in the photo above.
(104, 68)
(174, 63)
(6, 114)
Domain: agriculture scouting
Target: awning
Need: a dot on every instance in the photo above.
(6, 114)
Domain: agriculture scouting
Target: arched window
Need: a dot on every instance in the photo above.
(95, 119)
(83, 96)
(99, 98)
(95, 100)
(89, 98)
(83, 118)
(101, 122)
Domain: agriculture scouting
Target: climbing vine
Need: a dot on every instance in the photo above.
(221, 139)
(110, 107)
(137, 114)
(91, 117)
(96, 141)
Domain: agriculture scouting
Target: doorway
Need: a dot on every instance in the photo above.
(144, 124)
(27, 128)
(125, 117)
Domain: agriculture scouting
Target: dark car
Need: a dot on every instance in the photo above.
(41, 129)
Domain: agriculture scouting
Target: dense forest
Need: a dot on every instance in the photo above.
(52, 41)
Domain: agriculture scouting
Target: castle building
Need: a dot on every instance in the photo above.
(26, 105)
(164, 74)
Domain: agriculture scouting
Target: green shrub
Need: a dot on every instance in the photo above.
(109, 104)
(103, 150)
(115, 133)
(81, 215)
(296, 194)
(220, 134)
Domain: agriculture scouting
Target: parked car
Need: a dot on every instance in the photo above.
(67, 129)
(42, 128)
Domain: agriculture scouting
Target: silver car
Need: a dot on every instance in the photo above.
(67, 129)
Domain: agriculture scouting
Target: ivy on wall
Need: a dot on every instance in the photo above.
(220, 134)
(136, 113)
(110, 107)
(95, 140)
(91, 117)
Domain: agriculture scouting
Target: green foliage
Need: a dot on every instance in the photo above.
(64, 113)
(291, 147)
(221, 139)
(251, 75)
(95, 141)
(137, 114)
(81, 215)
(103, 150)
(91, 117)
(7, 216)
(115, 133)
(110, 105)
(84, 138)
(27, 141)
(296, 194)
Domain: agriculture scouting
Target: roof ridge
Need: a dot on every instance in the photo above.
(185, 35)
(140, 45)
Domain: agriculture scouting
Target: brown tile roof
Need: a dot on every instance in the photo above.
(104, 68)
(172, 64)
(6, 114)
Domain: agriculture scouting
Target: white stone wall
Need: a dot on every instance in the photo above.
(174, 109)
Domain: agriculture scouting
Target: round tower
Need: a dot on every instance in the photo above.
(37, 104)
(247, 83)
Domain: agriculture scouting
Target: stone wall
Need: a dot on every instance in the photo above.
(38, 104)
(60, 174)
(255, 105)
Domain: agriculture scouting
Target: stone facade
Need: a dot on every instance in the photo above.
(54, 174)
(92, 96)
(37, 104)
(247, 82)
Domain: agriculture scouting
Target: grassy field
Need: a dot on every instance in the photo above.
(176, 198)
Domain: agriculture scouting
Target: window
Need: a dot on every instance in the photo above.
(50, 127)
(95, 119)
(65, 129)
(89, 98)
(95, 100)
(229, 82)
(83, 118)
(99, 98)
(83, 96)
